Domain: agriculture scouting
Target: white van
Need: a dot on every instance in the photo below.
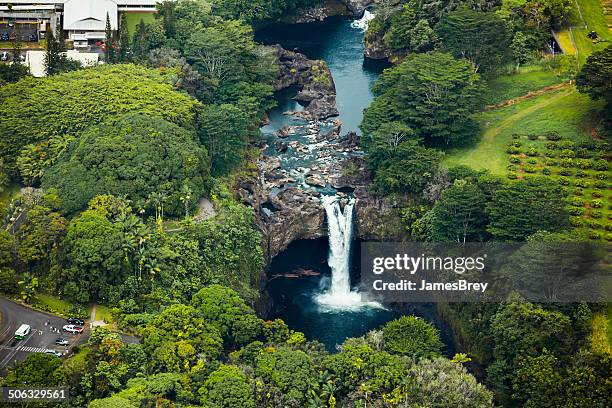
(22, 331)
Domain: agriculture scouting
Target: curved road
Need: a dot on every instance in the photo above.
(41, 338)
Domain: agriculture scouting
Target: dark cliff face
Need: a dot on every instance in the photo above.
(313, 79)
(328, 8)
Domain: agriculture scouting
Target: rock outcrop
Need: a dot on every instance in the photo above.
(317, 91)
(375, 48)
(357, 7)
(326, 9)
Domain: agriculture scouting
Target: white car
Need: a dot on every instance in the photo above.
(53, 352)
(4, 56)
(71, 328)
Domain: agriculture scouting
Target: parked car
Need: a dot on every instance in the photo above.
(33, 38)
(71, 328)
(74, 320)
(61, 341)
(4, 56)
(4, 36)
(54, 352)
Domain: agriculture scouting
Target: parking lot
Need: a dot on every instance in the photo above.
(45, 331)
(23, 32)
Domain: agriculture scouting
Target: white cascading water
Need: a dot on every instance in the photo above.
(364, 21)
(340, 231)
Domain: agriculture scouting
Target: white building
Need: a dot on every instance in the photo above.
(84, 21)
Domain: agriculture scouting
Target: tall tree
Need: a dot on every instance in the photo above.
(124, 40)
(140, 46)
(481, 38)
(433, 94)
(595, 77)
(525, 207)
(109, 42)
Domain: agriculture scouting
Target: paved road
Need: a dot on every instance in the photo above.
(40, 338)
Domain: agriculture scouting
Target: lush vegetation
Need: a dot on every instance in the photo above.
(214, 351)
(121, 160)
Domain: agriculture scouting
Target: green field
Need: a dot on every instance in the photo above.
(527, 80)
(133, 19)
(52, 304)
(566, 111)
(595, 20)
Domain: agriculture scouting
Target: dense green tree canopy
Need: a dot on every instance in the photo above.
(36, 109)
(479, 37)
(224, 130)
(412, 336)
(522, 208)
(595, 77)
(130, 156)
(433, 94)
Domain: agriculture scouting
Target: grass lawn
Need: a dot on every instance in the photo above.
(597, 21)
(609, 315)
(565, 41)
(133, 19)
(104, 313)
(52, 304)
(571, 114)
(7, 195)
(510, 86)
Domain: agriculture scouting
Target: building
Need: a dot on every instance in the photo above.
(83, 21)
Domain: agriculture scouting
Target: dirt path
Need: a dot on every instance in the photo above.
(492, 132)
(528, 95)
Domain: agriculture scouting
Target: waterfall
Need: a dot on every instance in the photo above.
(340, 231)
(364, 21)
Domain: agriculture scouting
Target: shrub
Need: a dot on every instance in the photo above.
(513, 150)
(515, 159)
(600, 184)
(594, 235)
(602, 176)
(551, 162)
(576, 202)
(532, 151)
(600, 165)
(596, 203)
(568, 153)
(566, 172)
(583, 164)
(595, 214)
(583, 153)
(532, 136)
(581, 174)
(532, 160)
(516, 136)
(546, 171)
(578, 192)
(530, 169)
(575, 210)
(608, 237)
(552, 146)
(512, 176)
(582, 183)
(553, 135)
(597, 194)
(567, 162)
(576, 221)
(516, 143)
(511, 167)
(564, 181)
(566, 144)
(550, 153)
(608, 226)
(593, 224)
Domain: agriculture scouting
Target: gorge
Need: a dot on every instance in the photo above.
(312, 214)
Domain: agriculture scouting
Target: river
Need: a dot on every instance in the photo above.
(340, 45)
